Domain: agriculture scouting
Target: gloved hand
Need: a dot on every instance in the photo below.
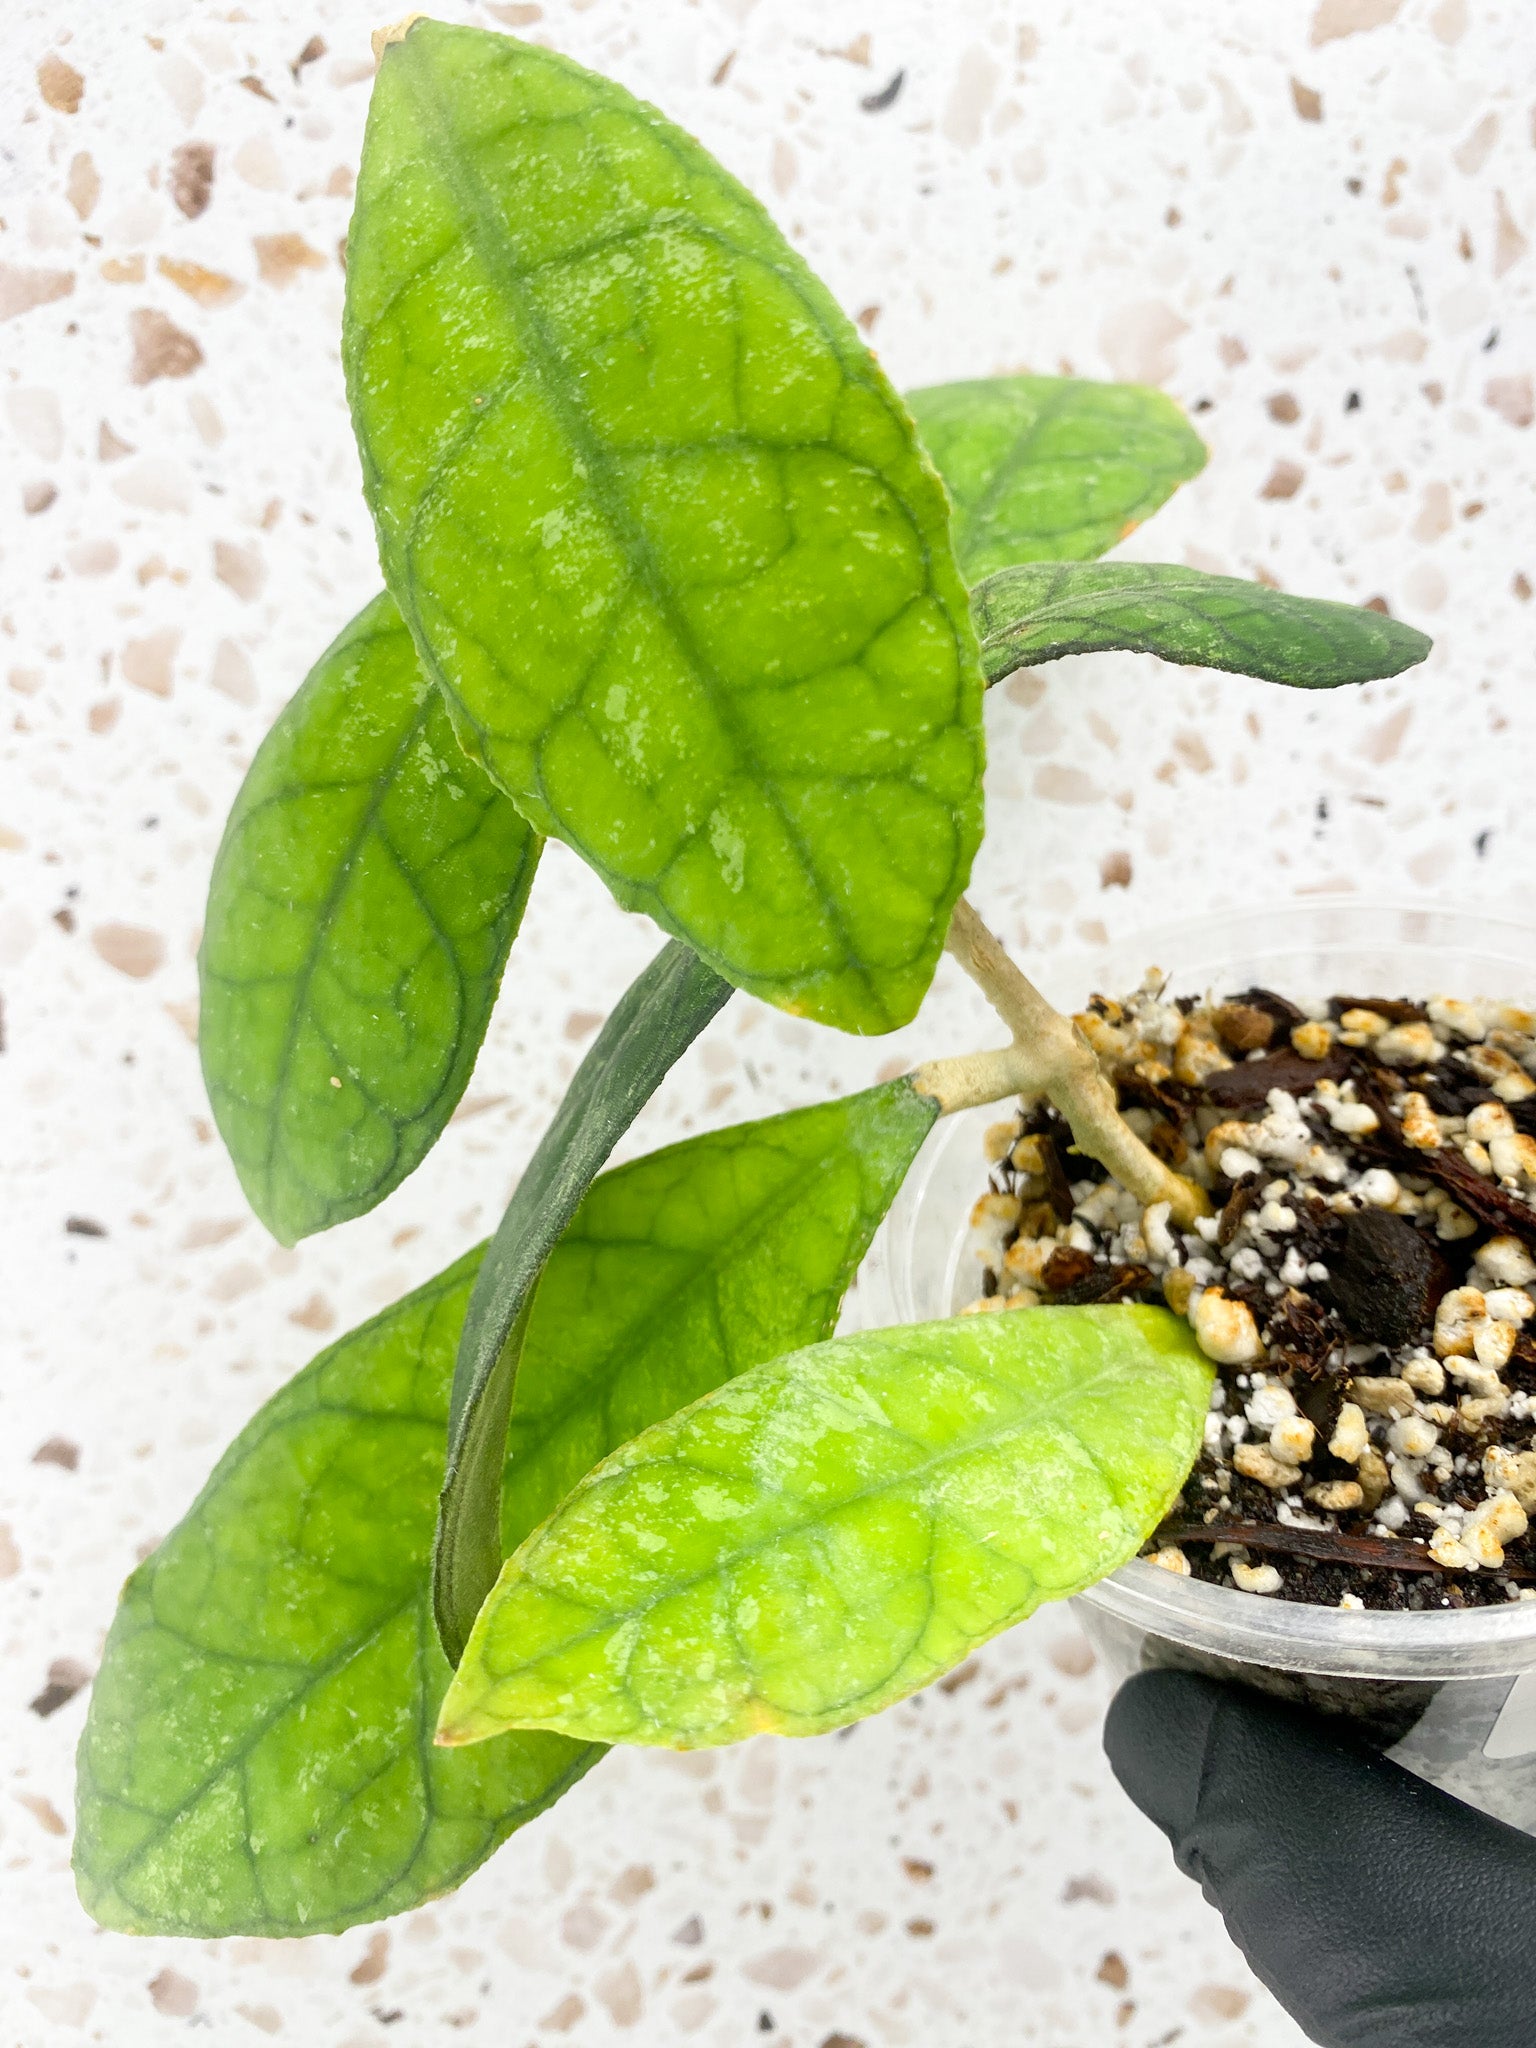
(1381, 1912)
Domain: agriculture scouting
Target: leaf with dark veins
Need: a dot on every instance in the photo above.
(690, 1264)
(660, 526)
(258, 1754)
(1034, 613)
(833, 1529)
(1048, 469)
(367, 890)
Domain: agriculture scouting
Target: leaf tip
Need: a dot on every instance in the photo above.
(396, 32)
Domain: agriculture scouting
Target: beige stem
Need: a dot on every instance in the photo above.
(1049, 1056)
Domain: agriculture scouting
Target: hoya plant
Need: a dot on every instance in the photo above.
(674, 575)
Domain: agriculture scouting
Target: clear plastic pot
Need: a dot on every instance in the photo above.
(1451, 1695)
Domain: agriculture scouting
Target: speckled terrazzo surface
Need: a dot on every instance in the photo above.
(1311, 224)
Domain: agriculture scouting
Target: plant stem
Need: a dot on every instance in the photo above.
(1049, 1056)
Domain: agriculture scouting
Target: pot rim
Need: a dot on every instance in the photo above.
(1222, 1621)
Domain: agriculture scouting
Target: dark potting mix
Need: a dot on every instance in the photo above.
(1365, 1285)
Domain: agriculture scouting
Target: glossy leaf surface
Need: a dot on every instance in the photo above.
(1033, 614)
(832, 1530)
(369, 885)
(254, 1758)
(1051, 469)
(660, 526)
(654, 1022)
(258, 1757)
(686, 1267)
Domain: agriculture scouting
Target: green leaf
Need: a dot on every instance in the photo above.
(660, 526)
(832, 1530)
(1051, 469)
(1032, 614)
(691, 1264)
(369, 885)
(654, 1022)
(257, 1758)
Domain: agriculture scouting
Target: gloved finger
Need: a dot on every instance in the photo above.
(1381, 1912)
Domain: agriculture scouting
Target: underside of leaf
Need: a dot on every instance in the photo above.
(660, 526)
(831, 1531)
(655, 1021)
(368, 888)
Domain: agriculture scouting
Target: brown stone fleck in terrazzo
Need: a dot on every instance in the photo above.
(632, 1883)
(36, 498)
(43, 1811)
(583, 1925)
(560, 2018)
(191, 179)
(1218, 2003)
(280, 258)
(21, 290)
(1115, 870)
(231, 674)
(173, 1994)
(132, 949)
(1335, 18)
(239, 569)
(1283, 481)
(205, 1231)
(971, 1668)
(1308, 104)
(1112, 1970)
(1073, 1656)
(316, 1314)
(60, 84)
(618, 1988)
(205, 287)
(82, 188)
(149, 664)
(160, 347)
(782, 1969)
(58, 1450)
(375, 1959)
(1512, 398)
(66, 1677)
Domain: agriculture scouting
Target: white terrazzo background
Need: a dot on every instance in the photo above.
(1137, 188)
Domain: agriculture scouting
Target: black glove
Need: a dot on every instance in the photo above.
(1381, 1912)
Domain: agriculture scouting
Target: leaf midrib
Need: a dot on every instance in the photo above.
(477, 208)
(912, 1476)
(321, 930)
